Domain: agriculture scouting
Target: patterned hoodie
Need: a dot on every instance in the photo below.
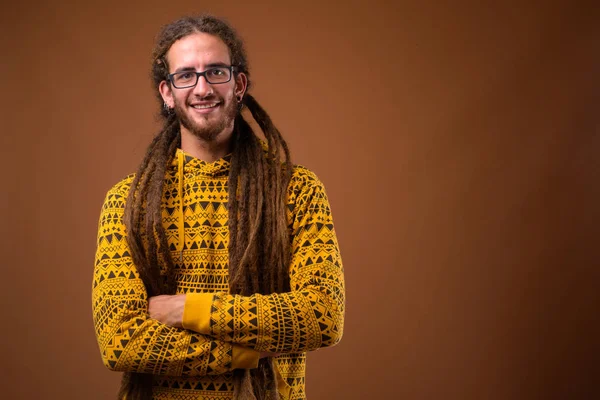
(221, 332)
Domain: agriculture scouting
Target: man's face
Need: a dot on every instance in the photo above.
(205, 110)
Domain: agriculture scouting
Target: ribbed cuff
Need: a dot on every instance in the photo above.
(244, 358)
(196, 312)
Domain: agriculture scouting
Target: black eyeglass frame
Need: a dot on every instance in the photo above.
(231, 69)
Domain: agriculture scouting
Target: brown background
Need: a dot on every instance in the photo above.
(459, 143)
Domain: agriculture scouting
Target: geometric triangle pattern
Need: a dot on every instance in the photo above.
(188, 365)
(311, 315)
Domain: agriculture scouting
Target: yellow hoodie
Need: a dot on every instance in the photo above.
(221, 332)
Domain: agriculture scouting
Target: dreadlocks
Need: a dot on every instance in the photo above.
(257, 187)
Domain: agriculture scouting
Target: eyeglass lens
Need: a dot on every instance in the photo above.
(212, 75)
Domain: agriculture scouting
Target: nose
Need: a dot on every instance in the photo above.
(203, 88)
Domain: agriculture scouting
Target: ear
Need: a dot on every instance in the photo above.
(166, 93)
(241, 84)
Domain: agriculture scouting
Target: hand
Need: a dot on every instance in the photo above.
(167, 309)
(264, 354)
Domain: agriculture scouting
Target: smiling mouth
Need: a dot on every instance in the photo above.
(205, 106)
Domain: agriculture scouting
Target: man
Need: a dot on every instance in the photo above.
(217, 265)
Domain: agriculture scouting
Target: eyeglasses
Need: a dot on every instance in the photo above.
(187, 79)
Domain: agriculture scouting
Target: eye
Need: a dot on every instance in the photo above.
(185, 75)
(216, 72)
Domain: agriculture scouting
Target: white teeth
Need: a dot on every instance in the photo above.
(205, 105)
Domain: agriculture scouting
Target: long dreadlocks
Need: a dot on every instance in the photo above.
(257, 186)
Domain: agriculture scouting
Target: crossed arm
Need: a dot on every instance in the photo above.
(212, 333)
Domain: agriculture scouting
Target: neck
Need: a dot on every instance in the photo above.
(208, 150)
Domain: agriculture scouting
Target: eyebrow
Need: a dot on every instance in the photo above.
(211, 65)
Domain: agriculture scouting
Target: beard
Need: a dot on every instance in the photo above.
(211, 125)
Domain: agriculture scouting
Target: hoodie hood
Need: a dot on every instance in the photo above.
(191, 165)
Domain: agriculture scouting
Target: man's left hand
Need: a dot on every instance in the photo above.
(167, 309)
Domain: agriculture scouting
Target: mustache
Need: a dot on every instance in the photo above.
(210, 97)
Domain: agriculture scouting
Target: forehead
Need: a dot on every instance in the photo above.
(196, 51)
